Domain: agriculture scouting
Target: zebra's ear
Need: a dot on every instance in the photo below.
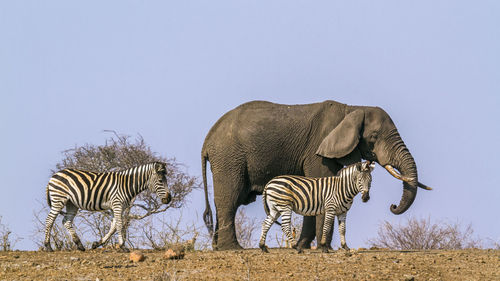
(160, 167)
(367, 166)
(360, 166)
(372, 166)
(344, 138)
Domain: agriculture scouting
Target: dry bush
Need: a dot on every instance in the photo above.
(7, 239)
(60, 238)
(164, 234)
(245, 228)
(422, 234)
(118, 153)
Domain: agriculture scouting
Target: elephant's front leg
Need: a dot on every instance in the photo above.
(342, 218)
(307, 233)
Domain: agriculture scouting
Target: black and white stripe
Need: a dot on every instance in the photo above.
(77, 189)
(332, 196)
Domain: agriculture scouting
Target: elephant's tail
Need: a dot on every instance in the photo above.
(266, 207)
(207, 215)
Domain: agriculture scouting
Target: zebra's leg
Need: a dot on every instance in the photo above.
(71, 211)
(328, 224)
(106, 237)
(118, 213)
(266, 225)
(286, 222)
(55, 209)
(342, 218)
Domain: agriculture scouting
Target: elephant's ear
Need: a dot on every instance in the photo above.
(344, 138)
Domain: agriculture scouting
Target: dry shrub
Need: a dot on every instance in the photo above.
(60, 238)
(118, 153)
(245, 228)
(422, 234)
(164, 234)
(7, 239)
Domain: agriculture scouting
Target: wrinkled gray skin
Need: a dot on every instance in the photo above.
(259, 140)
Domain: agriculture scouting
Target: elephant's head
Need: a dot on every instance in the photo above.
(370, 133)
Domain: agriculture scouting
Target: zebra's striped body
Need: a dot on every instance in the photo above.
(77, 189)
(332, 196)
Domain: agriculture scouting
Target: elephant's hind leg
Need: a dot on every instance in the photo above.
(227, 191)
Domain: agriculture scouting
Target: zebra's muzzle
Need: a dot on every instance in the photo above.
(365, 196)
(166, 199)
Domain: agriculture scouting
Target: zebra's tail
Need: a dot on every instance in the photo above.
(207, 215)
(48, 196)
(266, 207)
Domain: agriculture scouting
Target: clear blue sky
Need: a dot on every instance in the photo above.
(169, 69)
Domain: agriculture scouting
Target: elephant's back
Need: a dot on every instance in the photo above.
(259, 123)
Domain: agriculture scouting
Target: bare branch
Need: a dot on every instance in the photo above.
(423, 234)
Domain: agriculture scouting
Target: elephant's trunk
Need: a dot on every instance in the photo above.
(402, 160)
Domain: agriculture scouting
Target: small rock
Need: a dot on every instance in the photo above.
(137, 256)
(174, 253)
(409, 278)
(74, 259)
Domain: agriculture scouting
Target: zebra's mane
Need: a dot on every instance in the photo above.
(347, 170)
(147, 167)
(118, 170)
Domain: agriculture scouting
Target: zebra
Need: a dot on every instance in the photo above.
(78, 189)
(332, 196)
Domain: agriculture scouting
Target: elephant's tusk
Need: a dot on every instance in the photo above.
(423, 186)
(395, 174)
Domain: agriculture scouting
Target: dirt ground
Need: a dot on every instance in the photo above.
(279, 264)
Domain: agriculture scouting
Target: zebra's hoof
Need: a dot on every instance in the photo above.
(299, 250)
(345, 247)
(95, 244)
(48, 248)
(123, 249)
(264, 249)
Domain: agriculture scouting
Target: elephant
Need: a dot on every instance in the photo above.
(258, 140)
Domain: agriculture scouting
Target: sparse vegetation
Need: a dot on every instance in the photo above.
(165, 234)
(7, 239)
(119, 152)
(423, 234)
(245, 228)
